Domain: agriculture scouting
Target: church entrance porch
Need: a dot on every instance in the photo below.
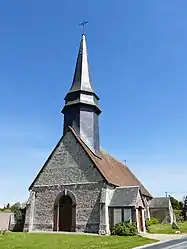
(64, 213)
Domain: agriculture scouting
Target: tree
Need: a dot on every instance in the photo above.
(181, 204)
(8, 206)
(185, 201)
(185, 207)
(175, 203)
(16, 206)
(19, 211)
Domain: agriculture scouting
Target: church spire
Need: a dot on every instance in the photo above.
(81, 86)
(81, 110)
(82, 80)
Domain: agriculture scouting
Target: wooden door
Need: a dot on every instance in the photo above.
(140, 218)
(65, 214)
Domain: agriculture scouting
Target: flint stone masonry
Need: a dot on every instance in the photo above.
(68, 164)
(68, 168)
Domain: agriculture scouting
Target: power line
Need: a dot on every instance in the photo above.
(179, 192)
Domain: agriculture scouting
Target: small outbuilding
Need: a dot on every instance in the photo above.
(161, 208)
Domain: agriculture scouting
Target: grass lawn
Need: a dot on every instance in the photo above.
(166, 228)
(67, 241)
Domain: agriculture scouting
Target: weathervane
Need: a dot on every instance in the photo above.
(83, 24)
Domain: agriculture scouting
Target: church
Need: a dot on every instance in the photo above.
(82, 188)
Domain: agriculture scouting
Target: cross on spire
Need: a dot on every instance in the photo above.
(83, 26)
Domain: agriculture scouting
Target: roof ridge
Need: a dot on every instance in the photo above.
(129, 186)
(74, 131)
(111, 169)
(127, 168)
(114, 157)
(161, 197)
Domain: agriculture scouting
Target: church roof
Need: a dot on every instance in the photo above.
(114, 171)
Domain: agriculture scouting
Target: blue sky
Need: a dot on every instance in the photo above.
(138, 58)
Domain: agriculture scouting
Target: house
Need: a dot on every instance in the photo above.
(82, 188)
(161, 208)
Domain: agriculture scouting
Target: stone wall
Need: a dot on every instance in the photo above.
(8, 222)
(162, 214)
(105, 214)
(5, 220)
(68, 168)
(68, 164)
(139, 201)
(87, 206)
(29, 216)
(147, 210)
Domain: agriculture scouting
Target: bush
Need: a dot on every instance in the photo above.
(152, 221)
(124, 229)
(179, 215)
(3, 232)
(19, 216)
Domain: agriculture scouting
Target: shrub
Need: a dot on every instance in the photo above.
(179, 215)
(3, 232)
(124, 229)
(19, 215)
(152, 221)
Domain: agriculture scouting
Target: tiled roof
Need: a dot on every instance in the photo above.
(114, 171)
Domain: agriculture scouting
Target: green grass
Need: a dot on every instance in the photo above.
(67, 241)
(166, 228)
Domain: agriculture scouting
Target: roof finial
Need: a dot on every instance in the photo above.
(83, 24)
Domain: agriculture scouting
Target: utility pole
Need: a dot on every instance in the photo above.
(185, 208)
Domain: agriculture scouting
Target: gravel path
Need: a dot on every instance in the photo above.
(163, 237)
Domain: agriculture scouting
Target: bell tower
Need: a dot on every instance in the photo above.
(81, 110)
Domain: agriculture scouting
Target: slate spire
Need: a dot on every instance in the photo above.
(81, 108)
(81, 80)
